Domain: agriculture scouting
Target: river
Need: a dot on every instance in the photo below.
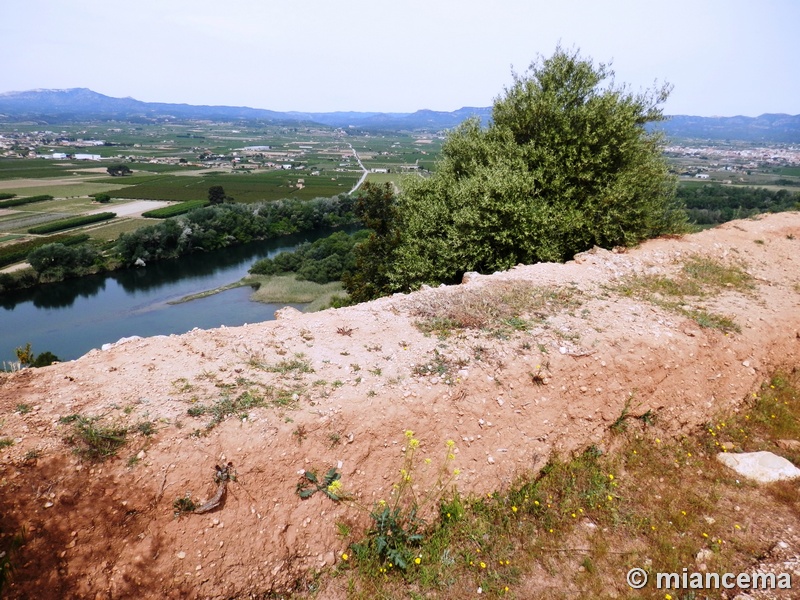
(72, 317)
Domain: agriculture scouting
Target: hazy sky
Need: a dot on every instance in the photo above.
(724, 57)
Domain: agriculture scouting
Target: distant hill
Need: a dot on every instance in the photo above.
(765, 128)
(80, 104)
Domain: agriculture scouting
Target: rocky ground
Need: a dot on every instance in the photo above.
(340, 387)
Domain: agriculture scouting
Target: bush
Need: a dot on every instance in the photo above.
(566, 163)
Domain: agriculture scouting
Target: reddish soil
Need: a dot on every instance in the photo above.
(108, 529)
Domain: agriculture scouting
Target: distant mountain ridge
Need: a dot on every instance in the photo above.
(83, 104)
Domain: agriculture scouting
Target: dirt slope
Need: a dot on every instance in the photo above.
(340, 389)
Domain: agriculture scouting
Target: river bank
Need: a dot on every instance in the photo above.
(271, 289)
(72, 317)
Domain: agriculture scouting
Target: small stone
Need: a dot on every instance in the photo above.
(704, 555)
(490, 460)
(141, 455)
(746, 363)
(788, 444)
(48, 504)
(181, 555)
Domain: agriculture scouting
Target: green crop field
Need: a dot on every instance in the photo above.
(69, 190)
(174, 210)
(15, 168)
(19, 222)
(71, 223)
(244, 187)
(118, 226)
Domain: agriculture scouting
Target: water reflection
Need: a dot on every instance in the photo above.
(72, 317)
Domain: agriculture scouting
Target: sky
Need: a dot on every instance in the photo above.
(722, 57)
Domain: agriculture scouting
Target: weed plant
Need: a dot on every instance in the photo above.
(399, 527)
(93, 440)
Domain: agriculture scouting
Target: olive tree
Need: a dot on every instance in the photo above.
(566, 163)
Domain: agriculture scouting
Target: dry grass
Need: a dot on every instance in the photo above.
(510, 304)
(700, 277)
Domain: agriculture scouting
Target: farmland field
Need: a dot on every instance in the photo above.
(119, 226)
(179, 162)
(244, 187)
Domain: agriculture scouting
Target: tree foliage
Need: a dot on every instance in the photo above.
(321, 261)
(713, 203)
(216, 194)
(224, 225)
(376, 206)
(118, 170)
(57, 261)
(565, 164)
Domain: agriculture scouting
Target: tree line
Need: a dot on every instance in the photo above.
(714, 203)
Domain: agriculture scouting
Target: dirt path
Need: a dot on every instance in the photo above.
(340, 387)
(130, 209)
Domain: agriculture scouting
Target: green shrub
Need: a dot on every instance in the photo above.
(17, 252)
(174, 209)
(71, 222)
(566, 163)
(59, 261)
(22, 201)
(322, 261)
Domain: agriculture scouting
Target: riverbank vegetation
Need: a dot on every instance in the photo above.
(223, 225)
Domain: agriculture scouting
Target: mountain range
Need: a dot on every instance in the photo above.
(81, 104)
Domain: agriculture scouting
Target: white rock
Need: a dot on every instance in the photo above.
(763, 467)
(287, 312)
(120, 341)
